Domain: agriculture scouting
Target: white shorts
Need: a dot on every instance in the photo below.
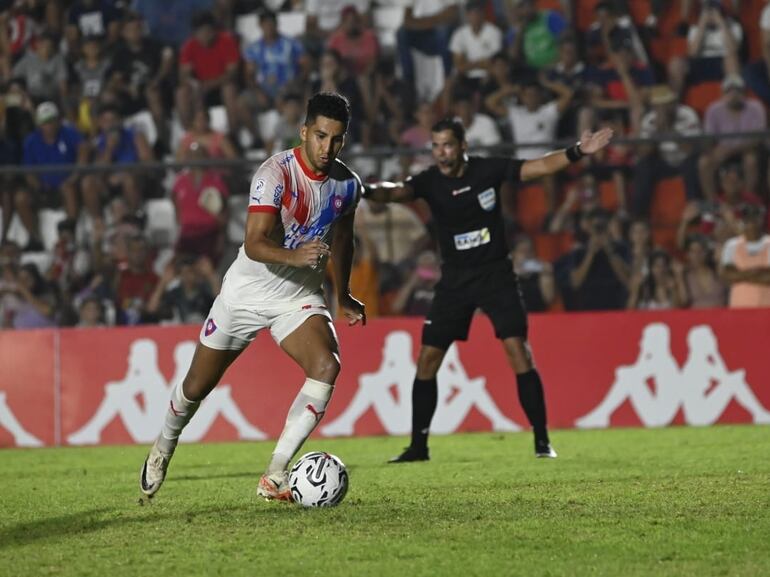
(232, 328)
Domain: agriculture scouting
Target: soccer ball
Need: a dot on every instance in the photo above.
(318, 480)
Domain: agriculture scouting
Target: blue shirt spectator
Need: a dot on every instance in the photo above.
(62, 150)
(169, 21)
(125, 152)
(276, 62)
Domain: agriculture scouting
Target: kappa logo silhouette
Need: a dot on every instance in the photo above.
(703, 387)
(9, 422)
(143, 421)
(457, 394)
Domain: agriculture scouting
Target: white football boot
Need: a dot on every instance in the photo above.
(275, 486)
(154, 471)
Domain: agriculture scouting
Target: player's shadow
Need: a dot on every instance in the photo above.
(63, 527)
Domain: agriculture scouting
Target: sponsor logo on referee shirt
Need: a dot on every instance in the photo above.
(472, 239)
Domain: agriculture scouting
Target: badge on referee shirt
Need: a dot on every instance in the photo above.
(487, 199)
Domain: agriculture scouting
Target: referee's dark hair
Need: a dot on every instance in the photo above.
(328, 104)
(453, 124)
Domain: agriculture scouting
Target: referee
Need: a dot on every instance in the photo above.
(463, 193)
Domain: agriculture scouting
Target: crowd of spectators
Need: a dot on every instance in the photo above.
(104, 86)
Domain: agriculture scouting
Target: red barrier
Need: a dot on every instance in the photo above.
(612, 369)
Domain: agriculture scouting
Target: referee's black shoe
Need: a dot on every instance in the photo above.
(544, 450)
(411, 454)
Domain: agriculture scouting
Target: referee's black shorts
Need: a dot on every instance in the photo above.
(492, 287)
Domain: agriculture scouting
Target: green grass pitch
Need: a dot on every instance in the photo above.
(626, 502)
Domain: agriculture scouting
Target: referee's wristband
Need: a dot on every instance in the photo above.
(574, 153)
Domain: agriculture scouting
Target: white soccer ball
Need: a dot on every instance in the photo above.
(318, 480)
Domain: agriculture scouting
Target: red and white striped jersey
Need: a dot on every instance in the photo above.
(308, 205)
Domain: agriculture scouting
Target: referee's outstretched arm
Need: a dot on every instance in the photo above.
(389, 191)
(589, 143)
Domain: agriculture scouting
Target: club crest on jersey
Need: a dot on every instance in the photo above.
(472, 239)
(210, 327)
(487, 199)
(338, 203)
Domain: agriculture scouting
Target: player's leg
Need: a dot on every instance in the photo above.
(448, 320)
(530, 389)
(306, 334)
(424, 401)
(207, 367)
(313, 346)
(226, 332)
(501, 300)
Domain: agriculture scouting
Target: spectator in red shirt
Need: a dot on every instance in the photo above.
(200, 196)
(208, 66)
(356, 43)
(134, 283)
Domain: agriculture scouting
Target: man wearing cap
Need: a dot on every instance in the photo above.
(734, 112)
(746, 261)
(52, 143)
(666, 158)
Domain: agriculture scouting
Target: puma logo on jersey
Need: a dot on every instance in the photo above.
(457, 191)
(472, 239)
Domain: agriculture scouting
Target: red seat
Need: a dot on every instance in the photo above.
(584, 13)
(608, 196)
(665, 48)
(700, 96)
(668, 202)
(665, 237)
(549, 247)
(531, 207)
(554, 5)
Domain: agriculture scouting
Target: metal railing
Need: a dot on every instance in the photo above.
(377, 153)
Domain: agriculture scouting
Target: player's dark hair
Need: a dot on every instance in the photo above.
(328, 104)
(452, 124)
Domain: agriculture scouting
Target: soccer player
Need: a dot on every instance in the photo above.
(301, 208)
(463, 193)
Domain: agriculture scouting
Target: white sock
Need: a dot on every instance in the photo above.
(305, 413)
(180, 411)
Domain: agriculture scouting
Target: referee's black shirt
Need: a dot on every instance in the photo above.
(467, 209)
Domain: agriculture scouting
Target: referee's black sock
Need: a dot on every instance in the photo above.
(533, 402)
(424, 399)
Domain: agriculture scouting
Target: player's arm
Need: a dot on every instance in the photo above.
(389, 192)
(589, 143)
(260, 247)
(731, 275)
(342, 261)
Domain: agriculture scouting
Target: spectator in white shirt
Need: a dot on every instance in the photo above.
(480, 128)
(427, 27)
(473, 44)
(712, 49)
